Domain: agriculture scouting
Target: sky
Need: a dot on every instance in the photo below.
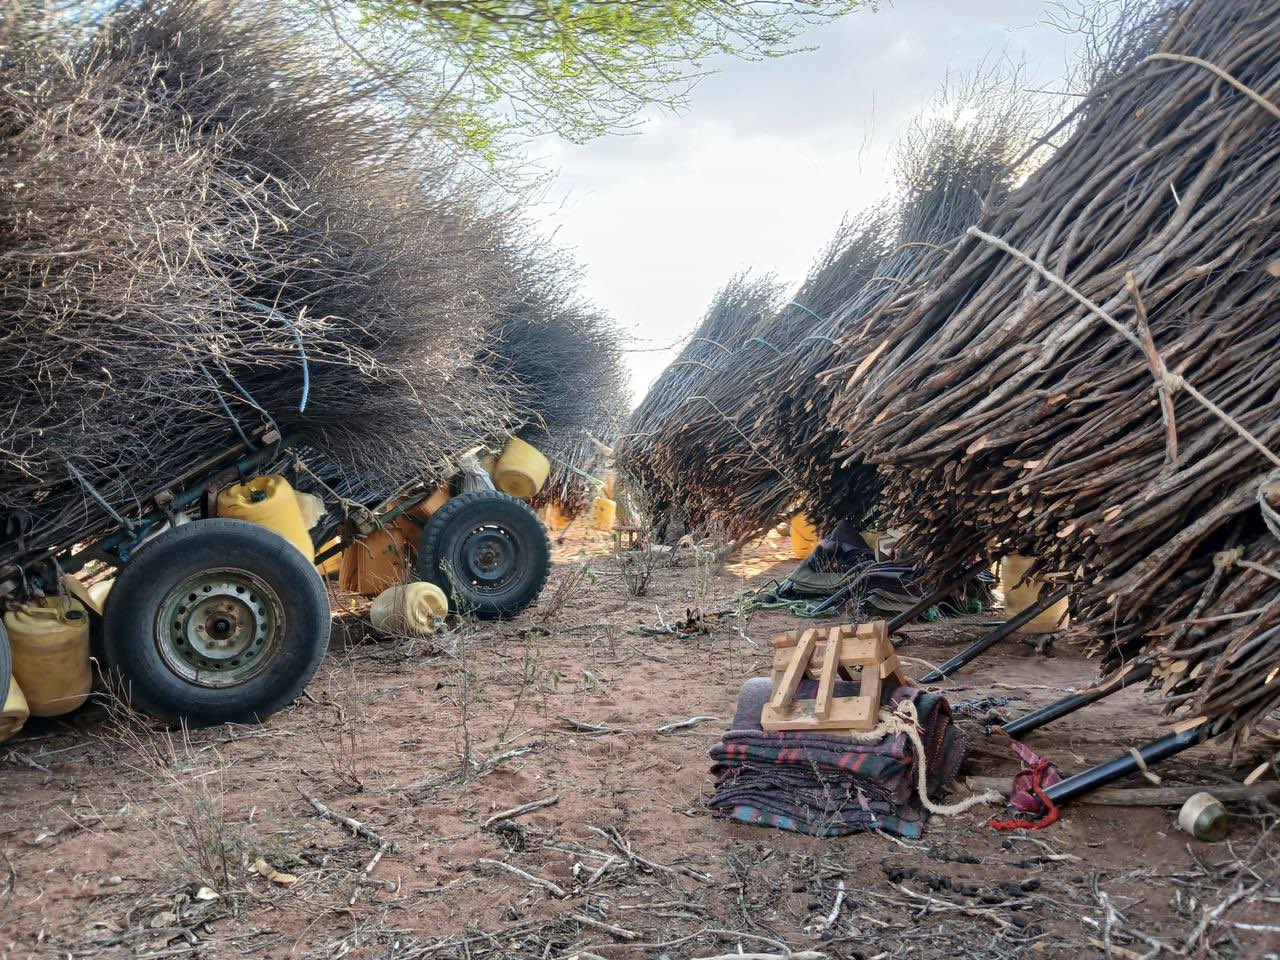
(769, 157)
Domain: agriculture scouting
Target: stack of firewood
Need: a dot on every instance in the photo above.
(736, 432)
(654, 451)
(1089, 377)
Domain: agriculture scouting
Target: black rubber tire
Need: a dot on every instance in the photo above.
(6, 665)
(447, 532)
(134, 604)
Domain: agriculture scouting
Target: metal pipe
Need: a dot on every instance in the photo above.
(1126, 764)
(975, 649)
(966, 574)
(1081, 698)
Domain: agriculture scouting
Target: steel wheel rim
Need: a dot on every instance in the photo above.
(490, 558)
(219, 628)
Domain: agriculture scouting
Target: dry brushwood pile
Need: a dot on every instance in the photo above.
(946, 170)
(207, 224)
(754, 440)
(559, 355)
(710, 450)
(580, 466)
(1089, 376)
(654, 451)
(562, 360)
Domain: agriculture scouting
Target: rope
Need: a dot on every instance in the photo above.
(906, 720)
(1052, 811)
(226, 408)
(1146, 772)
(714, 343)
(1226, 559)
(297, 336)
(751, 443)
(244, 392)
(797, 607)
(765, 342)
(797, 303)
(1171, 382)
(580, 472)
(1217, 71)
(102, 501)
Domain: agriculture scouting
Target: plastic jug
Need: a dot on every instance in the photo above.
(13, 712)
(603, 514)
(522, 470)
(270, 502)
(412, 608)
(804, 536)
(50, 641)
(1018, 597)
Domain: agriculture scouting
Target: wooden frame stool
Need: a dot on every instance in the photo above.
(824, 654)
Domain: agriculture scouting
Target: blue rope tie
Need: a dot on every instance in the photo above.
(796, 303)
(297, 336)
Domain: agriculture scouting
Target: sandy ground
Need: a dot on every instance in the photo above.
(121, 839)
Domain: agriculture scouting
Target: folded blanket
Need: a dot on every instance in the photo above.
(829, 784)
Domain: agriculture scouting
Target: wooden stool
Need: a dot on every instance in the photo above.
(631, 536)
(824, 654)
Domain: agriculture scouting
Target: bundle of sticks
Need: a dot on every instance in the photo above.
(753, 441)
(720, 460)
(559, 355)
(580, 467)
(1088, 378)
(653, 451)
(947, 168)
(207, 225)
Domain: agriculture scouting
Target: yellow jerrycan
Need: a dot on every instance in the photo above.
(409, 608)
(50, 641)
(604, 512)
(13, 712)
(1018, 596)
(804, 536)
(522, 470)
(268, 501)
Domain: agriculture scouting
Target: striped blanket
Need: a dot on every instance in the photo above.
(825, 784)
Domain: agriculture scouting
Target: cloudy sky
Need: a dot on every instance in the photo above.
(769, 157)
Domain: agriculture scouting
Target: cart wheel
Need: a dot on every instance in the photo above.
(6, 665)
(216, 621)
(488, 551)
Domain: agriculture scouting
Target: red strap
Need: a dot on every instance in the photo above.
(1052, 814)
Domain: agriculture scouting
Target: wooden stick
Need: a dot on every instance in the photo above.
(553, 889)
(520, 810)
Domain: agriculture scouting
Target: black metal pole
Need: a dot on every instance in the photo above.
(975, 649)
(966, 574)
(834, 600)
(1081, 698)
(1126, 764)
